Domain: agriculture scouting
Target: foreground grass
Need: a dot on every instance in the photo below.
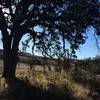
(89, 80)
(49, 86)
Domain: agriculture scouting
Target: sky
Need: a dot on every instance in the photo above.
(89, 49)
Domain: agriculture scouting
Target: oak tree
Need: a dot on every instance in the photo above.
(61, 21)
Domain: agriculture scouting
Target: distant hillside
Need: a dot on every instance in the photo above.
(29, 58)
(92, 65)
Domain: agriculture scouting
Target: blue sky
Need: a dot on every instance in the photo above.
(89, 49)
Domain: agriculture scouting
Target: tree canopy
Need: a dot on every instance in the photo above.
(61, 21)
(65, 20)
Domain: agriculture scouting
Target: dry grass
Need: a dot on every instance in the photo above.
(80, 92)
(58, 83)
(80, 84)
(62, 81)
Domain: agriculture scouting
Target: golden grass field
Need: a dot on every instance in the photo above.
(50, 85)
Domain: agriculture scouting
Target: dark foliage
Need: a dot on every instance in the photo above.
(59, 20)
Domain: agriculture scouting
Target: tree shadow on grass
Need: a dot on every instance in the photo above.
(92, 83)
(23, 90)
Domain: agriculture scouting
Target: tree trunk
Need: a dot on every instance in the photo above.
(10, 62)
(10, 46)
(10, 57)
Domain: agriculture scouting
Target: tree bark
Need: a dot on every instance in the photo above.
(10, 46)
(10, 56)
(10, 62)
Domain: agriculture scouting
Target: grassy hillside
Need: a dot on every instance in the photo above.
(51, 86)
(79, 82)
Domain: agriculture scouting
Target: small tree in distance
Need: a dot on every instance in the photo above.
(65, 20)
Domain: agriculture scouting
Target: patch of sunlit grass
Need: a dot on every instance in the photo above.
(60, 83)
